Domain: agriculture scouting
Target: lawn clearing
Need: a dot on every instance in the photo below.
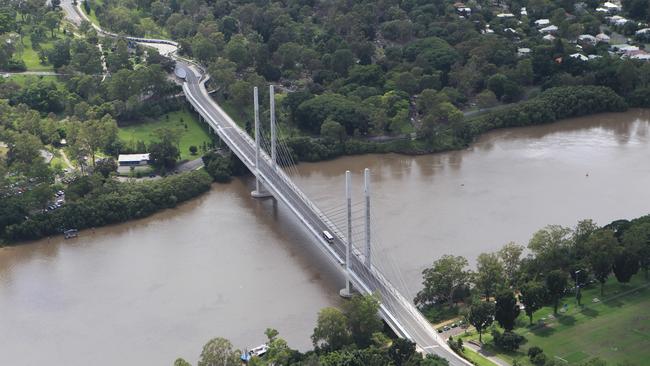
(195, 134)
(615, 329)
(476, 358)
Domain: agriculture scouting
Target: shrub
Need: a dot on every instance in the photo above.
(539, 359)
(508, 341)
(533, 351)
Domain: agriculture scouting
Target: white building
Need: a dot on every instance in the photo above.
(505, 15)
(602, 37)
(523, 52)
(133, 159)
(549, 37)
(542, 22)
(587, 39)
(549, 29)
(579, 56)
(642, 31)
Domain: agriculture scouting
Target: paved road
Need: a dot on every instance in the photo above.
(396, 310)
(70, 13)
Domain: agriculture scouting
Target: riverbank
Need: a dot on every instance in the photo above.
(552, 105)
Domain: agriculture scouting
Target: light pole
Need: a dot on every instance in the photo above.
(577, 287)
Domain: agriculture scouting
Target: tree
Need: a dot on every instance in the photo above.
(626, 264)
(506, 309)
(556, 282)
(163, 154)
(362, 313)
(181, 362)
(602, 249)
(496, 83)
(52, 21)
(401, 351)
(441, 280)
(486, 99)
(193, 150)
(489, 273)
(551, 246)
(106, 166)
(533, 296)
(510, 256)
(434, 360)
(219, 352)
(331, 332)
(96, 134)
(481, 316)
(333, 130)
(638, 237)
(59, 54)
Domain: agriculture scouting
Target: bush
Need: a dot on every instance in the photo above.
(533, 351)
(218, 166)
(508, 341)
(539, 359)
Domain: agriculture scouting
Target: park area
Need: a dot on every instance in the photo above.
(187, 125)
(614, 328)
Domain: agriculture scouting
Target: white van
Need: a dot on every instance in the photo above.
(328, 236)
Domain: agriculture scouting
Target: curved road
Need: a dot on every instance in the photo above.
(396, 310)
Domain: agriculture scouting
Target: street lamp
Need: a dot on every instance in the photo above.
(577, 287)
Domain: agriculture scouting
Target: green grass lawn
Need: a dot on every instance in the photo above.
(22, 80)
(30, 55)
(195, 134)
(477, 359)
(615, 329)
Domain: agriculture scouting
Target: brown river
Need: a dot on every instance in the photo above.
(148, 291)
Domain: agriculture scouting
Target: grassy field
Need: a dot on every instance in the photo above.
(23, 79)
(476, 358)
(615, 329)
(30, 55)
(195, 133)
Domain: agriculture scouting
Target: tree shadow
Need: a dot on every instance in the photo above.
(543, 331)
(590, 312)
(567, 320)
(615, 303)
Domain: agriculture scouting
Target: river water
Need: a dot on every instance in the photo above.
(148, 291)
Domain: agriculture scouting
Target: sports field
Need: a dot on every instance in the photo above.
(615, 328)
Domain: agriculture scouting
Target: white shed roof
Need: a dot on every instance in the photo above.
(132, 157)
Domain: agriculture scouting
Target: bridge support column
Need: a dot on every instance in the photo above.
(366, 191)
(259, 191)
(347, 291)
(273, 134)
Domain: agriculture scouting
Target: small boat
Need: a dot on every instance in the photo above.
(70, 233)
(258, 351)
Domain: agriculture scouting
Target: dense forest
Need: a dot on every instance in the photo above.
(364, 68)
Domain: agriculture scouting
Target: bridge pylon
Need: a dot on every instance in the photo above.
(346, 292)
(259, 191)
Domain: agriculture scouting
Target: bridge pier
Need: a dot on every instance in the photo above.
(346, 292)
(259, 191)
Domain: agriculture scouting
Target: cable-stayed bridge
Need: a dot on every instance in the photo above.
(270, 161)
(400, 313)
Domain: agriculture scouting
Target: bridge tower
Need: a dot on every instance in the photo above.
(259, 191)
(273, 133)
(347, 291)
(366, 192)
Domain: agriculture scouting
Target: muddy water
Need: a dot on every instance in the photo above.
(152, 290)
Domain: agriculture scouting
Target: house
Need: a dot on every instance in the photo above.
(587, 39)
(641, 57)
(579, 56)
(623, 48)
(505, 15)
(642, 31)
(133, 159)
(463, 10)
(523, 12)
(602, 37)
(523, 52)
(549, 37)
(549, 29)
(617, 20)
(593, 57)
(542, 22)
(510, 30)
(611, 7)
